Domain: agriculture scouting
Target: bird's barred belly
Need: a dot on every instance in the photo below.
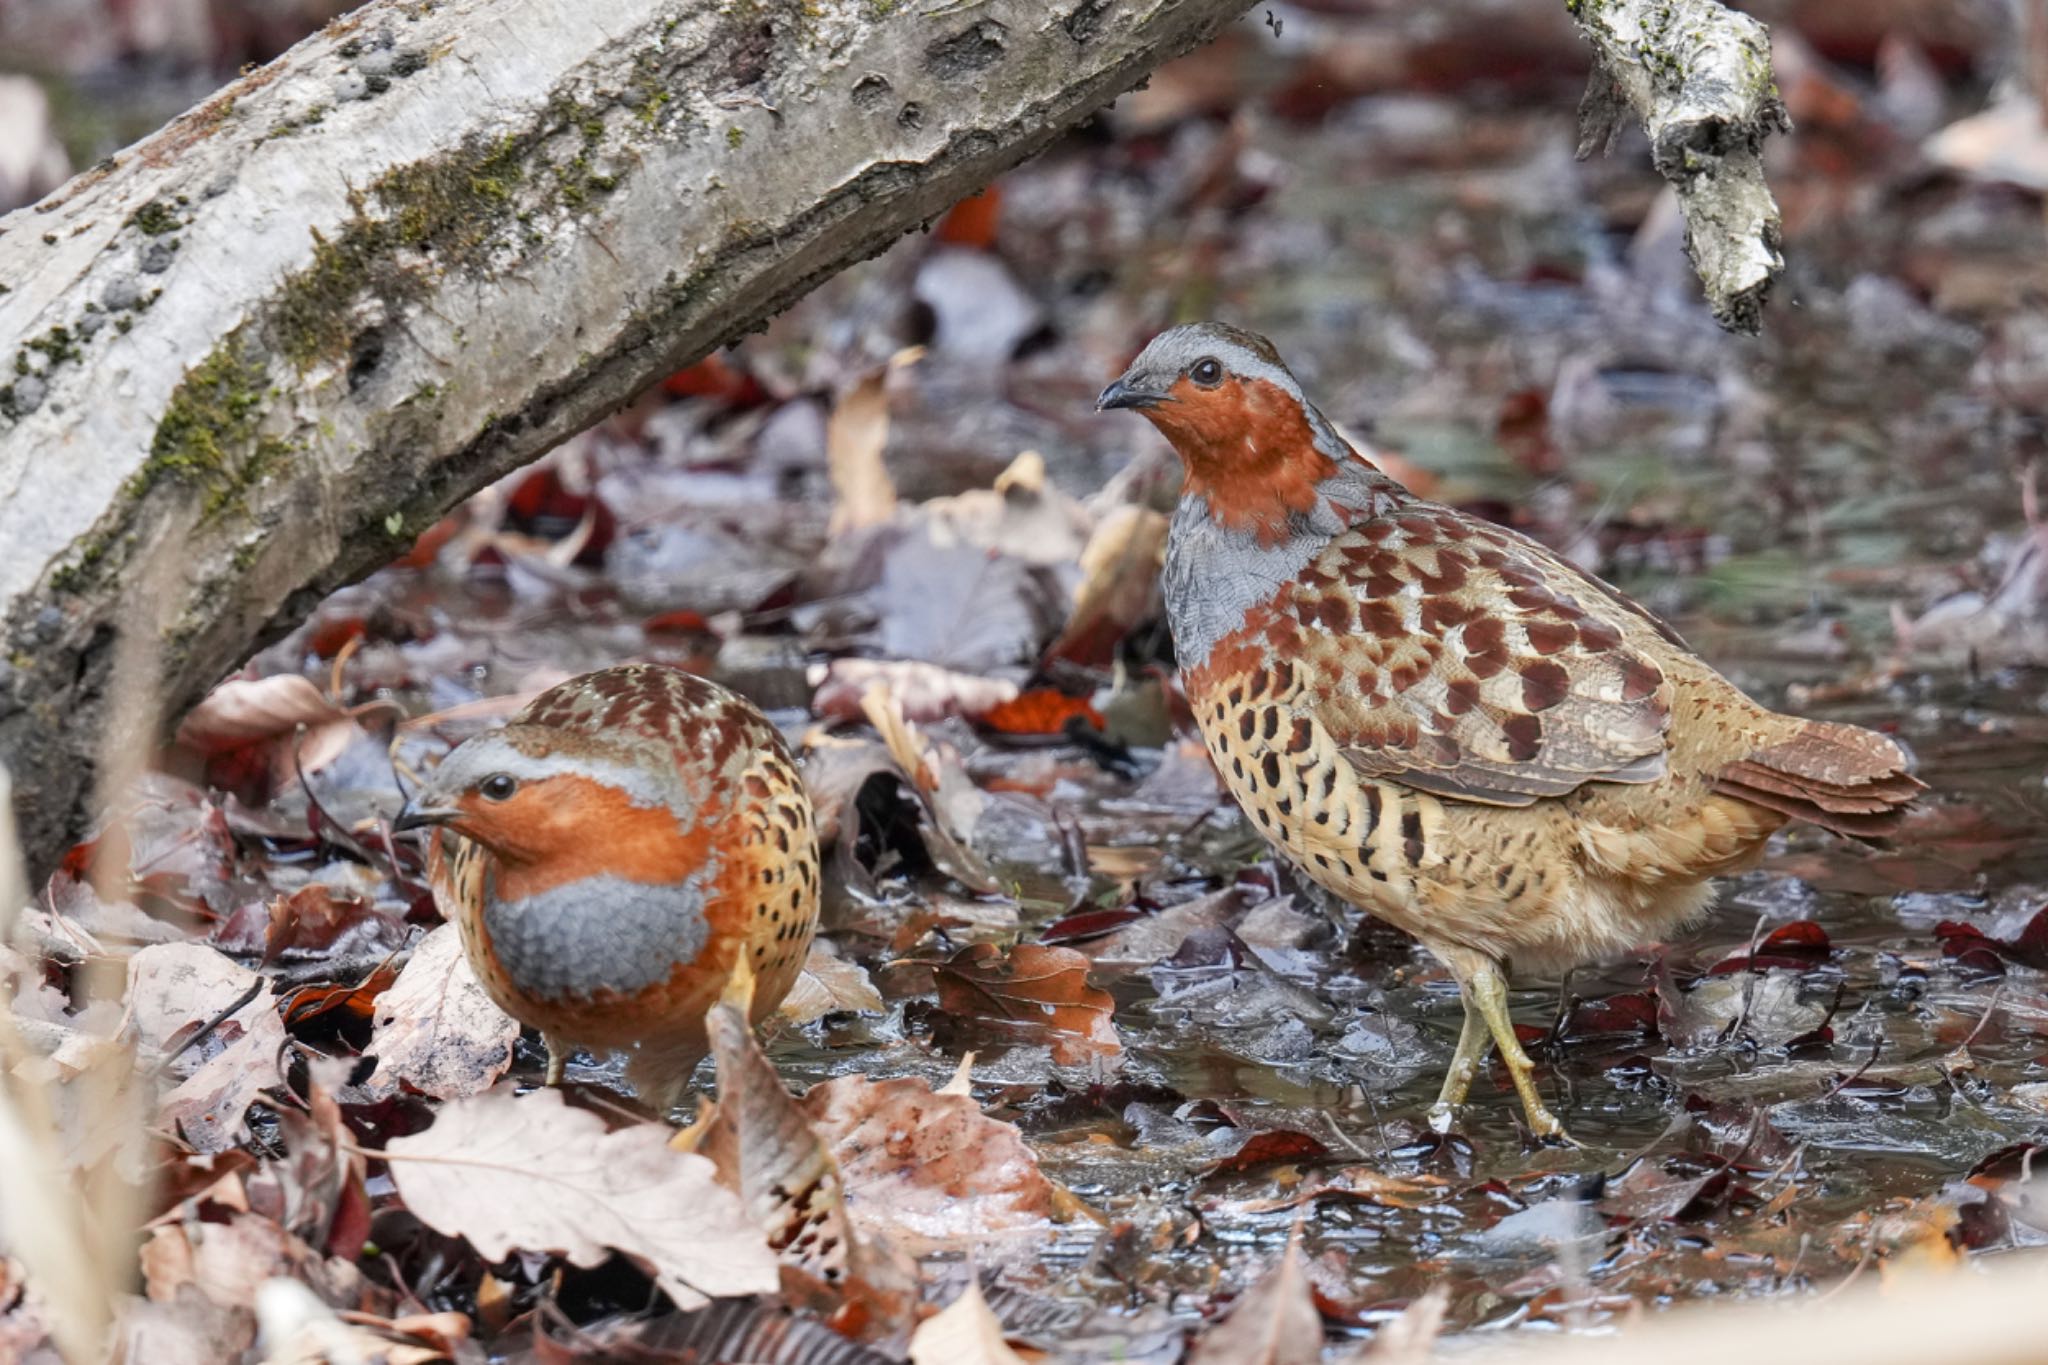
(1366, 841)
(1487, 878)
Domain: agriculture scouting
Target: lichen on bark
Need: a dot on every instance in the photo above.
(1698, 77)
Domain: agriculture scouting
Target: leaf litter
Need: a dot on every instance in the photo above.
(941, 577)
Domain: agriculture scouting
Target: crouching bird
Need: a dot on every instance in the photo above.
(1444, 723)
(613, 853)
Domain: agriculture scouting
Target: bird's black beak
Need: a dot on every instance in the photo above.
(417, 815)
(1122, 394)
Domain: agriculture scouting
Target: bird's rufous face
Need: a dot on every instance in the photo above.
(547, 821)
(1244, 441)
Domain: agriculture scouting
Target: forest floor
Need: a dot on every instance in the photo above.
(1201, 1057)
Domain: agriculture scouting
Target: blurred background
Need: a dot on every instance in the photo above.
(902, 481)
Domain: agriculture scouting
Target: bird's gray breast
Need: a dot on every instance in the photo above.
(600, 934)
(1215, 574)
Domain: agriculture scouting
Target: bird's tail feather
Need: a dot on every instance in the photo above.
(1849, 780)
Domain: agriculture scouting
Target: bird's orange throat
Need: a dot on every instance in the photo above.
(1248, 450)
(569, 828)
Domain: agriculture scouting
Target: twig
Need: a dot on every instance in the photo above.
(209, 1026)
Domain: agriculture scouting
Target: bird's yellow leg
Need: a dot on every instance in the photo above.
(1488, 990)
(558, 1057)
(1472, 1038)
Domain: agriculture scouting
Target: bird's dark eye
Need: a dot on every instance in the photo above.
(1208, 372)
(497, 787)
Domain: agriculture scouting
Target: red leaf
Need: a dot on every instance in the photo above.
(1968, 943)
(1086, 924)
(1041, 711)
(1798, 945)
(1268, 1148)
(972, 221)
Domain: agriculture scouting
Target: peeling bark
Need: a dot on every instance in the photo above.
(248, 359)
(1698, 78)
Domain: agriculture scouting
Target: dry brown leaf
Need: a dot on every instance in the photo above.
(1119, 584)
(436, 1029)
(2005, 142)
(529, 1173)
(191, 1330)
(828, 984)
(1030, 993)
(924, 690)
(244, 710)
(1356, 1184)
(940, 780)
(786, 1175)
(174, 988)
(1023, 516)
(1273, 1323)
(928, 1170)
(1409, 1339)
(228, 1261)
(262, 717)
(855, 436)
(966, 1333)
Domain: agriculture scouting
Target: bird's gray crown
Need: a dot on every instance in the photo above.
(526, 757)
(1245, 354)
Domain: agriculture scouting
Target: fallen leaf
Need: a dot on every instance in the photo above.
(529, 1173)
(949, 797)
(1119, 585)
(246, 733)
(1041, 711)
(358, 999)
(1030, 993)
(972, 221)
(966, 1332)
(924, 691)
(177, 988)
(961, 606)
(1409, 1339)
(2029, 947)
(1267, 1149)
(1798, 945)
(243, 710)
(318, 921)
(1273, 1323)
(855, 436)
(928, 1170)
(2005, 142)
(830, 984)
(786, 1175)
(1351, 1184)
(436, 1029)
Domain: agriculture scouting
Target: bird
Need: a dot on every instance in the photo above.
(613, 856)
(1448, 725)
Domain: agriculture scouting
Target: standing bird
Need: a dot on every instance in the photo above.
(1446, 724)
(611, 854)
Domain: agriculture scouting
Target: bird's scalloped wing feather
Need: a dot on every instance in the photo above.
(1467, 661)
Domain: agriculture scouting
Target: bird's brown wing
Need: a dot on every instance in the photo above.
(1467, 661)
(652, 708)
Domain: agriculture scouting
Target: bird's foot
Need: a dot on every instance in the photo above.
(1544, 1126)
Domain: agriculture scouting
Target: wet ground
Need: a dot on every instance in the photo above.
(1845, 1064)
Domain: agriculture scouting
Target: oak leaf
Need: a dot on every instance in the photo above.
(1031, 993)
(529, 1173)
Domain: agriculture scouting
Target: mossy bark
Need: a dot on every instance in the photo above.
(1697, 75)
(246, 360)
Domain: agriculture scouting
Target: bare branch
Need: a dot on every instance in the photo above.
(1698, 77)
